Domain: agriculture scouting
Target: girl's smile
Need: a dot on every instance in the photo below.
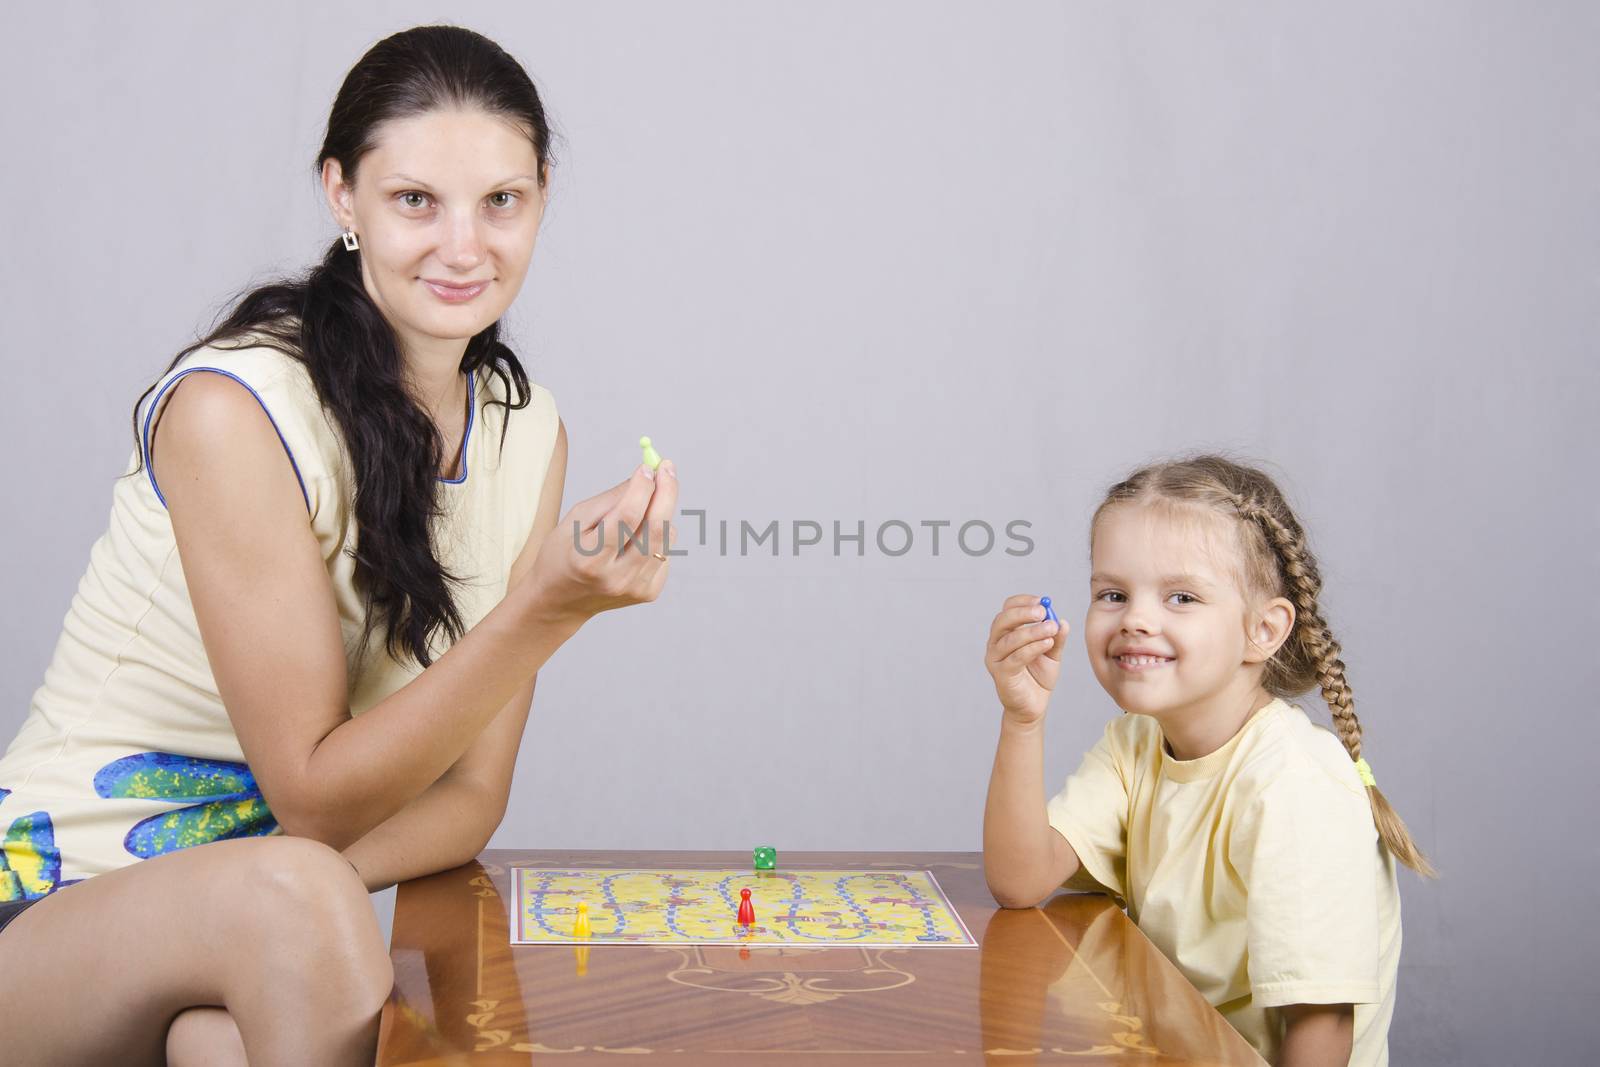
(1139, 660)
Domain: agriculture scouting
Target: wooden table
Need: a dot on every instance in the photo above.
(1071, 982)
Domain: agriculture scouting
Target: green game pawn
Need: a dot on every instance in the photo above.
(651, 458)
(765, 858)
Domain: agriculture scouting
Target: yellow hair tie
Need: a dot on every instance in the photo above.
(1366, 774)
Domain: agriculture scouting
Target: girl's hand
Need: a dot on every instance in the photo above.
(584, 567)
(1024, 658)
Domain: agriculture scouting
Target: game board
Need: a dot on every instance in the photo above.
(882, 908)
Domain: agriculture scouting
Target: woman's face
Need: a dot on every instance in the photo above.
(447, 208)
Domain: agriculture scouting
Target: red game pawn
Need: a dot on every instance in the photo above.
(747, 910)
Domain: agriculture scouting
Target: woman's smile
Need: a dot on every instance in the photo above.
(455, 292)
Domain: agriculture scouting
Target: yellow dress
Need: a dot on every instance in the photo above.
(1256, 868)
(127, 751)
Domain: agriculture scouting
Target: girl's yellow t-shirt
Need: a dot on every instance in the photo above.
(127, 751)
(1257, 868)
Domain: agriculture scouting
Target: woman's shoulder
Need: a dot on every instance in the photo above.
(261, 362)
(281, 387)
(521, 424)
(499, 383)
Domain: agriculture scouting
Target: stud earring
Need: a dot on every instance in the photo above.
(351, 242)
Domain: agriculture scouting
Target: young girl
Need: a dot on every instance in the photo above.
(301, 659)
(1252, 846)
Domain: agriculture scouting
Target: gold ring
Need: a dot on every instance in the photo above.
(659, 556)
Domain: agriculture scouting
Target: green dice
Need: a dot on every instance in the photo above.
(765, 857)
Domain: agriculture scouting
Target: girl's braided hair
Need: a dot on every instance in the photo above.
(1277, 562)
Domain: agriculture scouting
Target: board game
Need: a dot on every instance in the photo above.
(878, 908)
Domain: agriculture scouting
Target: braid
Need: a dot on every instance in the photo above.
(1277, 562)
(1315, 639)
(1312, 652)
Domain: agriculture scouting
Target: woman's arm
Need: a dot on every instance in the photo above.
(452, 821)
(266, 613)
(448, 825)
(1317, 1035)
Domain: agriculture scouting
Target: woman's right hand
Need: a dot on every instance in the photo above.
(1024, 657)
(583, 568)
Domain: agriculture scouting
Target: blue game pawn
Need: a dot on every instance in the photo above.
(1049, 612)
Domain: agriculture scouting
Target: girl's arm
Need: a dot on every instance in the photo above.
(1317, 1035)
(266, 612)
(1024, 858)
(452, 821)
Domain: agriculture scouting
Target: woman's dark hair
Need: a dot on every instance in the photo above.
(326, 320)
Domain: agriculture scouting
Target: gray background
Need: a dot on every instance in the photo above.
(936, 261)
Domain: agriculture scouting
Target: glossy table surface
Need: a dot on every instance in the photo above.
(1073, 981)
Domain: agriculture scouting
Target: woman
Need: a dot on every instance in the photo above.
(325, 592)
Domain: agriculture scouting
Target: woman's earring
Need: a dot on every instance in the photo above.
(351, 243)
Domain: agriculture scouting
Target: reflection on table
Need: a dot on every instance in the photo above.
(1072, 982)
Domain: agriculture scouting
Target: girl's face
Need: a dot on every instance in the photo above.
(446, 207)
(1167, 629)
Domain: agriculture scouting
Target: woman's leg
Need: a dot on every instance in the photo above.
(276, 931)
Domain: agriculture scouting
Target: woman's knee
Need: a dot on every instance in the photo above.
(313, 906)
(298, 878)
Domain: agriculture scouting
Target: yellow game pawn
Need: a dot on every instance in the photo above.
(651, 458)
(580, 927)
